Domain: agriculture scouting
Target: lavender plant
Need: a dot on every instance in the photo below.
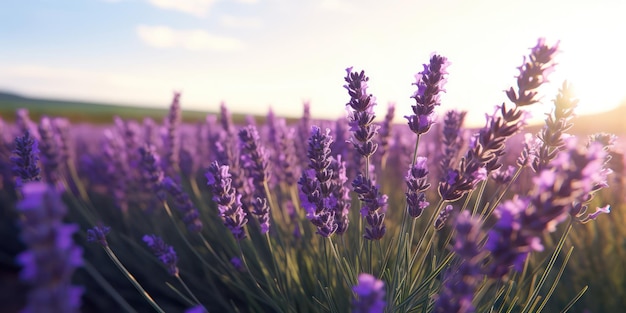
(336, 227)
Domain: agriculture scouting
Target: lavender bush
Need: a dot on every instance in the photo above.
(427, 216)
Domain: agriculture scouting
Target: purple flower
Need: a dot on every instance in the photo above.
(51, 257)
(98, 234)
(237, 263)
(261, 209)
(452, 139)
(49, 151)
(322, 190)
(386, 129)
(152, 175)
(254, 159)
(502, 176)
(417, 184)
(197, 309)
(370, 295)
(460, 282)
(444, 214)
(362, 116)
(374, 206)
(228, 202)
(553, 133)
(522, 222)
(165, 253)
(533, 73)
(429, 84)
(26, 158)
(191, 217)
(171, 138)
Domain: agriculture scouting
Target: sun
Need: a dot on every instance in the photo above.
(596, 73)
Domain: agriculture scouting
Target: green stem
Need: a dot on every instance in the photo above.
(132, 279)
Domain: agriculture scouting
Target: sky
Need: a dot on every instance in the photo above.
(257, 54)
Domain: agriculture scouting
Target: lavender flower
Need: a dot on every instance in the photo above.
(340, 195)
(533, 73)
(362, 117)
(488, 146)
(502, 176)
(386, 128)
(116, 158)
(322, 189)
(49, 151)
(152, 175)
(374, 206)
(26, 158)
(254, 158)
(444, 214)
(228, 202)
(172, 137)
(523, 220)
(51, 257)
(460, 282)
(197, 309)
(557, 123)
(417, 184)
(191, 217)
(370, 295)
(429, 84)
(164, 252)
(452, 139)
(98, 234)
(237, 264)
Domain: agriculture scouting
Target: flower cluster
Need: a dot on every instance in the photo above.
(430, 83)
(533, 73)
(523, 220)
(488, 146)
(322, 190)
(361, 118)
(228, 202)
(191, 217)
(374, 206)
(460, 282)
(52, 256)
(417, 183)
(164, 252)
(370, 295)
(26, 158)
(254, 160)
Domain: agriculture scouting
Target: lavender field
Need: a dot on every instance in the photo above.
(358, 214)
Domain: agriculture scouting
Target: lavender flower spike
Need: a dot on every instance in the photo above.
(460, 282)
(429, 84)
(361, 119)
(52, 256)
(191, 217)
(371, 294)
(533, 73)
(228, 202)
(417, 184)
(163, 251)
(374, 207)
(98, 234)
(26, 158)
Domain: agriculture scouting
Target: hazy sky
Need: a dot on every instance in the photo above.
(254, 54)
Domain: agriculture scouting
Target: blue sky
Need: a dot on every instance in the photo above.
(253, 54)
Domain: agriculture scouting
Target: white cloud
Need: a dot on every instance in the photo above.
(194, 40)
(240, 22)
(194, 7)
